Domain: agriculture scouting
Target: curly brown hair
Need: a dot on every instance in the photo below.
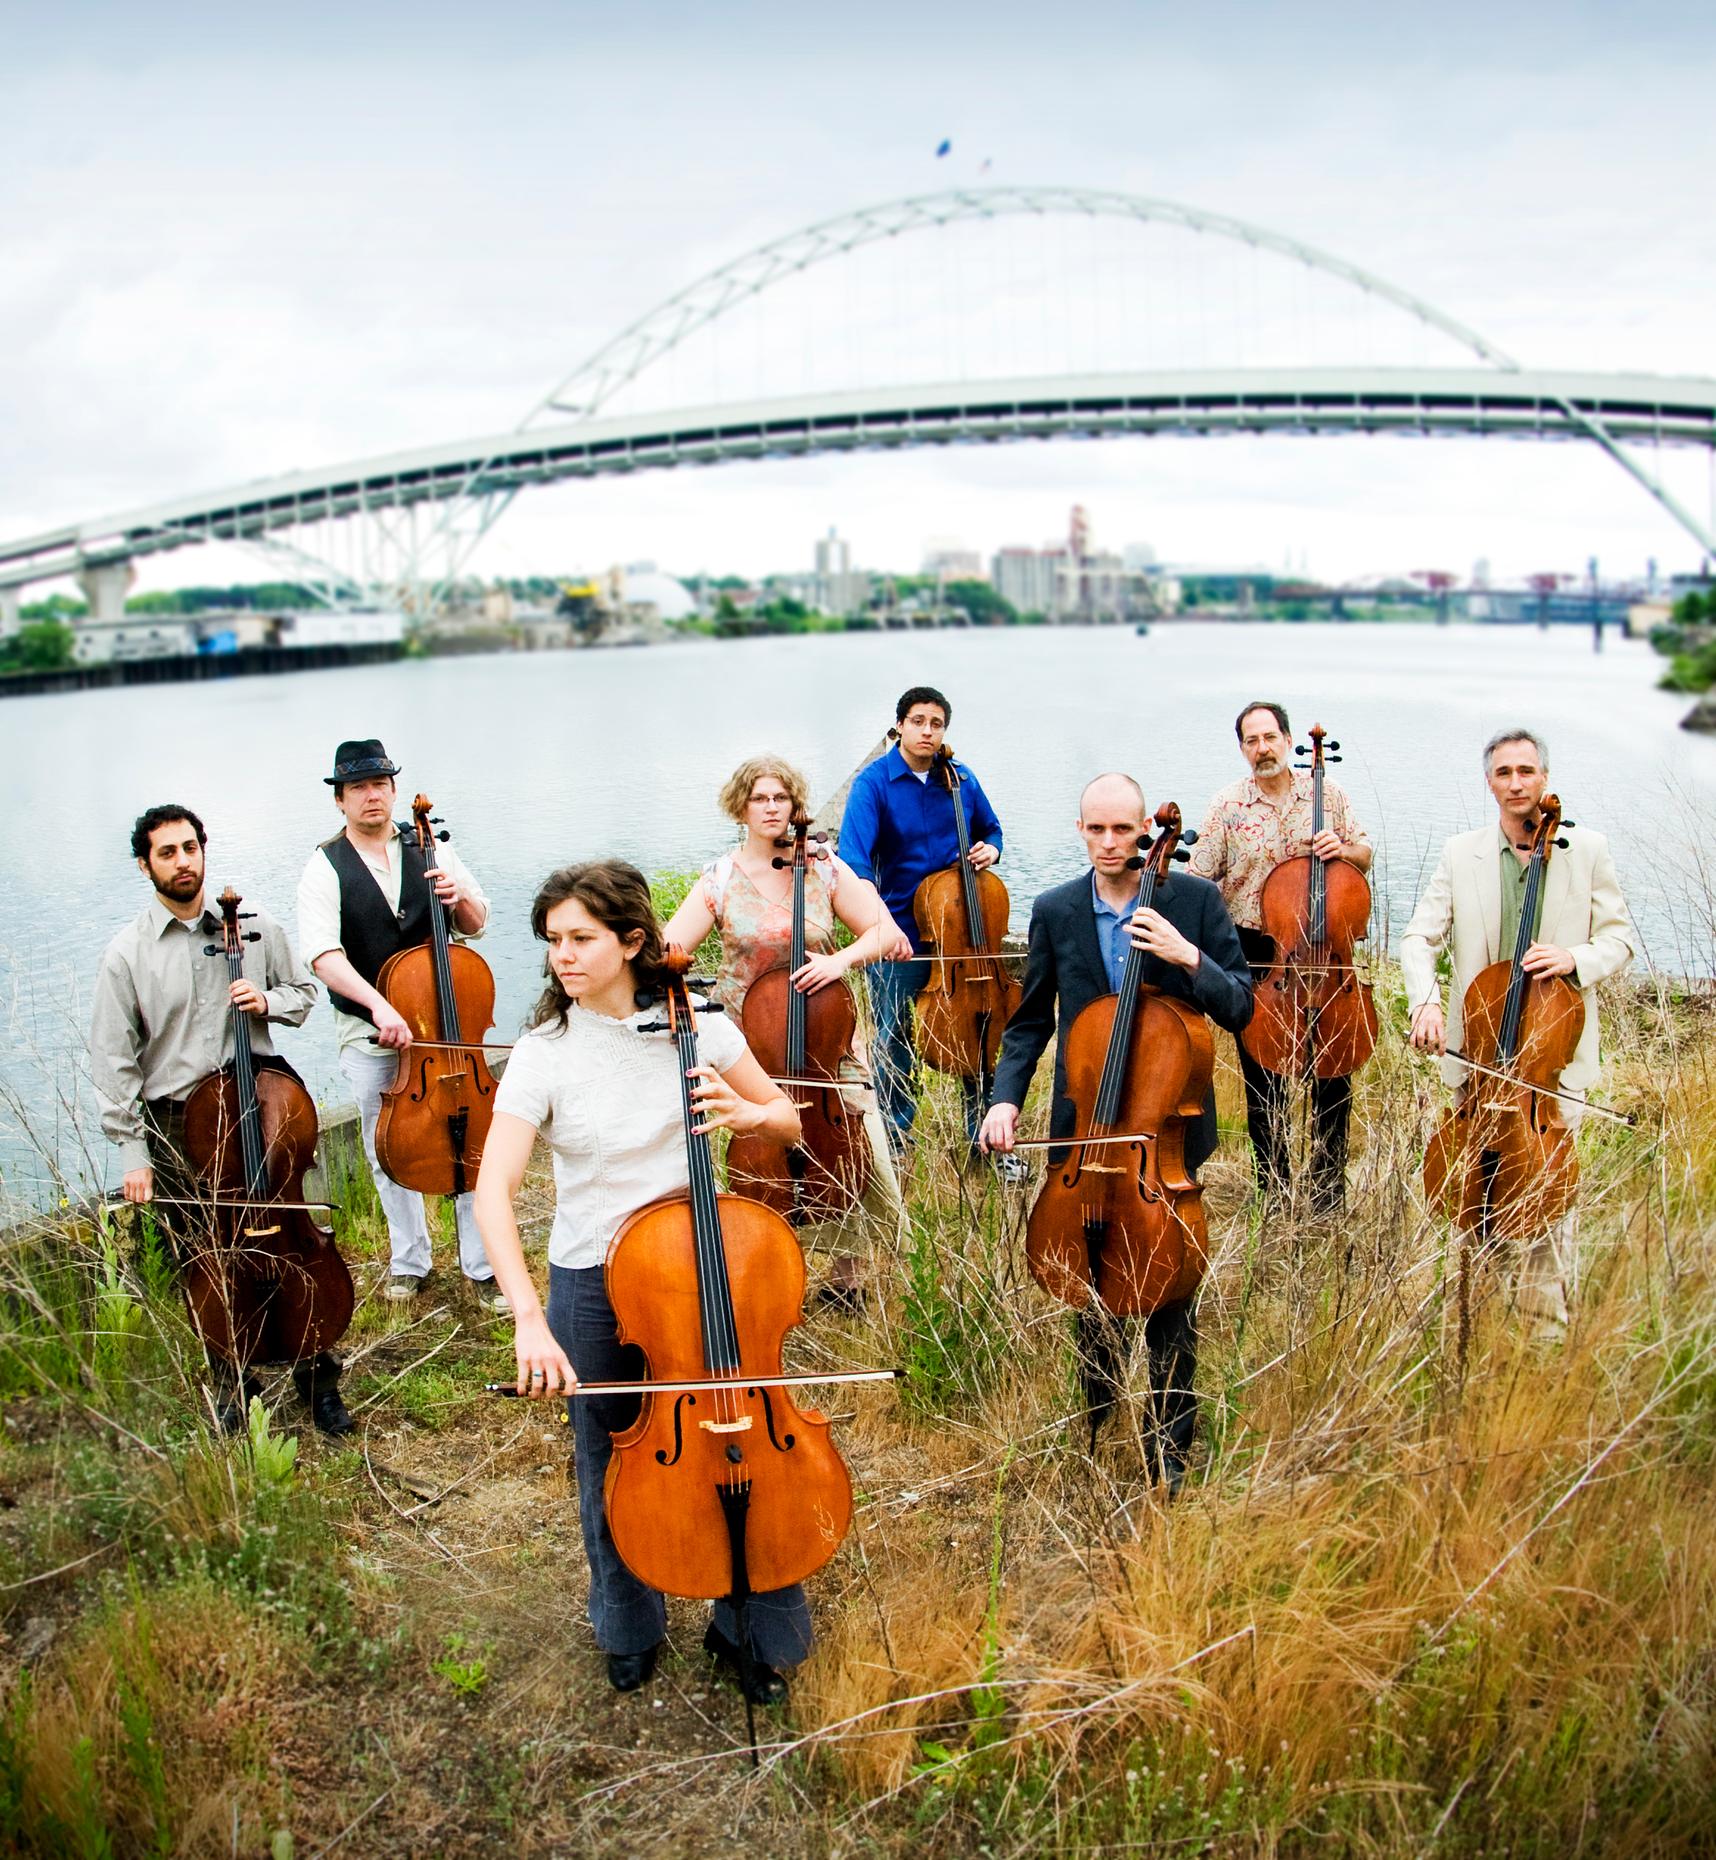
(616, 894)
(736, 789)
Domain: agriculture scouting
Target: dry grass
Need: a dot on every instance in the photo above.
(1430, 1587)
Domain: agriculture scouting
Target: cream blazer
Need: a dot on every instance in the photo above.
(1583, 912)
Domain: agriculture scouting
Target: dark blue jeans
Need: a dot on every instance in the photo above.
(627, 1615)
(895, 1059)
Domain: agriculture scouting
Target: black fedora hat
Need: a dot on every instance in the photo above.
(358, 762)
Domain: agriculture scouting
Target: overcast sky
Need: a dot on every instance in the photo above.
(238, 241)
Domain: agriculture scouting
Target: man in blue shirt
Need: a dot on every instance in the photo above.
(898, 828)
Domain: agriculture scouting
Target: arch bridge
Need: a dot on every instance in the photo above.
(432, 505)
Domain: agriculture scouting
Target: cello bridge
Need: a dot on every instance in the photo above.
(452, 1078)
(1101, 1169)
(740, 1426)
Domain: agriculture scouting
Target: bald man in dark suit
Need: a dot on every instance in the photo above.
(1080, 933)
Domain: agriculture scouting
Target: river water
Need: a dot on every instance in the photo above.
(536, 759)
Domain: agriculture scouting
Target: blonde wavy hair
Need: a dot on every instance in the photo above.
(736, 791)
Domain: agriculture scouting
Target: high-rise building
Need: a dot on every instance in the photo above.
(836, 588)
(1025, 578)
(1078, 533)
(949, 560)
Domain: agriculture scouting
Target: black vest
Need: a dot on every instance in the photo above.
(369, 931)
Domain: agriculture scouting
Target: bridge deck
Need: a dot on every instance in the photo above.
(1454, 402)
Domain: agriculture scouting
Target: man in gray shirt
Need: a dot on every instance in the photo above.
(162, 1023)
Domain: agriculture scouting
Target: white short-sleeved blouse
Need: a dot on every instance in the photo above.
(607, 1098)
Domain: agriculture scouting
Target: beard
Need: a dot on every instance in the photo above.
(181, 886)
(1267, 765)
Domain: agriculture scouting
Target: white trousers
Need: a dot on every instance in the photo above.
(369, 1074)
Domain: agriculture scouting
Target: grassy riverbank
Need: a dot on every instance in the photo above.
(1431, 1587)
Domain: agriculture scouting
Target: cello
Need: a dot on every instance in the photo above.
(269, 1286)
(962, 914)
(437, 1111)
(726, 1488)
(1120, 1219)
(1501, 1164)
(1314, 1017)
(802, 1038)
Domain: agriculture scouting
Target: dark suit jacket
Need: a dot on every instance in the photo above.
(1066, 972)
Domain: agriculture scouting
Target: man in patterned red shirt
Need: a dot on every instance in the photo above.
(1251, 827)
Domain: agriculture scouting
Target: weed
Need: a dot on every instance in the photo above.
(467, 1677)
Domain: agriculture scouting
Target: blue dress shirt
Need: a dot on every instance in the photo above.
(898, 829)
(1113, 933)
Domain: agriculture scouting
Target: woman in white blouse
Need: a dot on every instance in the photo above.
(606, 1096)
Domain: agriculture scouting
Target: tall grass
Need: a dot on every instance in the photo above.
(1431, 1586)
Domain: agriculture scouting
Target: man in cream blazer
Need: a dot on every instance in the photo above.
(1583, 931)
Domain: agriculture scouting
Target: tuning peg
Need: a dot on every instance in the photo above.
(1567, 823)
(1188, 839)
(702, 983)
(244, 914)
(820, 836)
(712, 1007)
(653, 1026)
(1301, 749)
(255, 936)
(214, 949)
(443, 835)
(1334, 758)
(1135, 863)
(1562, 844)
(780, 865)
(1330, 745)
(1182, 858)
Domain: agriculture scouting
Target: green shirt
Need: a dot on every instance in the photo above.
(1514, 873)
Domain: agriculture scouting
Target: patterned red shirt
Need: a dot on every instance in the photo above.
(1246, 835)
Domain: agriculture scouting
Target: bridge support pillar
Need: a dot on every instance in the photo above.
(105, 585)
(11, 599)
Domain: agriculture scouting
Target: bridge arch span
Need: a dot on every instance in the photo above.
(588, 389)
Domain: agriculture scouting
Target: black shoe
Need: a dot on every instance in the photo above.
(329, 1412)
(628, 1671)
(765, 1686)
(232, 1411)
(847, 1299)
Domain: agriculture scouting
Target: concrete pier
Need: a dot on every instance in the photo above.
(105, 586)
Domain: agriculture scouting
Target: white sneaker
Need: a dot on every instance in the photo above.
(403, 1286)
(491, 1298)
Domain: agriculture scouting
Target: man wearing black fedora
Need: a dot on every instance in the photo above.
(364, 896)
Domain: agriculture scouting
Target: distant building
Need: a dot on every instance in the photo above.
(951, 561)
(1025, 578)
(342, 626)
(837, 588)
(138, 636)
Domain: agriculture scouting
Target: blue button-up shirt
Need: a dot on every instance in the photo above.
(898, 829)
(1113, 933)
